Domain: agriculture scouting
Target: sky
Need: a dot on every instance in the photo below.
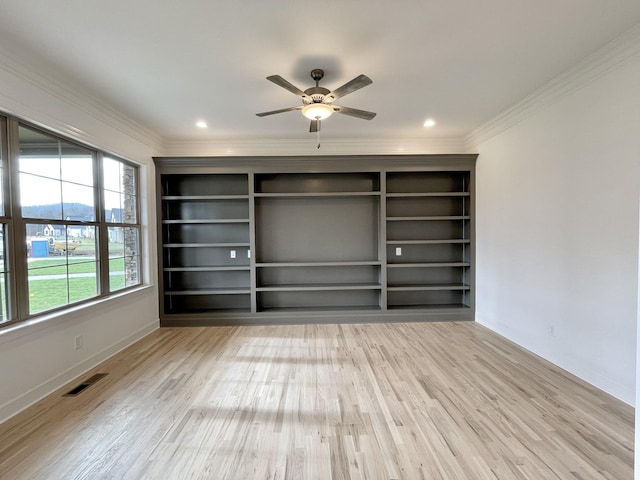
(46, 180)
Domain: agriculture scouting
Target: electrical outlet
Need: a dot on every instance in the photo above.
(233, 254)
(78, 342)
(398, 251)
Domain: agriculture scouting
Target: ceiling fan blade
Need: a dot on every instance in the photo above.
(354, 112)
(282, 110)
(349, 87)
(278, 80)
(315, 126)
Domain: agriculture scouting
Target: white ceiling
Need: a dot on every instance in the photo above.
(166, 64)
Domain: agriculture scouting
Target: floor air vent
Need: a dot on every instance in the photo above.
(84, 385)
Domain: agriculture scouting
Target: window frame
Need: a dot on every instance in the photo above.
(15, 253)
(105, 224)
(6, 219)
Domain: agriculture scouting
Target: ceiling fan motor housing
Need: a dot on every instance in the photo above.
(315, 94)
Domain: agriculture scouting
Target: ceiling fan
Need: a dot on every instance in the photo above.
(317, 102)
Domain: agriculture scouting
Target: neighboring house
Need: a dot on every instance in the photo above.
(53, 231)
(49, 231)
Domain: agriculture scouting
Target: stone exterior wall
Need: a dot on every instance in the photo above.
(129, 215)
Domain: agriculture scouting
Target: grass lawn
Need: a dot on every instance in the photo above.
(75, 265)
(45, 294)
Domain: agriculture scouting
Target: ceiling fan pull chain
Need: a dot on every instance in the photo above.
(318, 133)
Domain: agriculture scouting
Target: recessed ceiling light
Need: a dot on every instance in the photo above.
(201, 124)
(429, 122)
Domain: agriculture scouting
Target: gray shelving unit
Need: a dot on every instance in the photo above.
(205, 243)
(428, 240)
(315, 239)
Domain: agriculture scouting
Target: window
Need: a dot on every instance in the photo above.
(75, 234)
(56, 184)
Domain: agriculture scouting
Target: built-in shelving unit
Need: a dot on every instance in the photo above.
(428, 240)
(205, 243)
(317, 241)
(260, 240)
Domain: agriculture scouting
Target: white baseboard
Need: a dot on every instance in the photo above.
(25, 400)
(599, 380)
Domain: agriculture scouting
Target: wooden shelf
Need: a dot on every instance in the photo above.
(320, 184)
(319, 264)
(428, 265)
(429, 218)
(317, 287)
(453, 306)
(428, 194)
(316, 195)
(321, 308)
(412, 287)
(204, 245)
(193, 198)
(208, 269)
(210, 291)
(428, 242)
(206, 220)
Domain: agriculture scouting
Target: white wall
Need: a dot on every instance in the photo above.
(39, 357)
(557, 230)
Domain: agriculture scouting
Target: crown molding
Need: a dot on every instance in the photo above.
(44, 80)
(609, 57)
(329, 146)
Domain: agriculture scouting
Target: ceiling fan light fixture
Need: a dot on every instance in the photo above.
(317, 111)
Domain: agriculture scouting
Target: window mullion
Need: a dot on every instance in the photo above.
(18, 279)
(8, 292)
(102, 233)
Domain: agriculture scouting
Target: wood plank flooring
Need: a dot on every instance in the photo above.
(364, 401)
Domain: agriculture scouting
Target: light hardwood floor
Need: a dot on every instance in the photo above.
(374, 401)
